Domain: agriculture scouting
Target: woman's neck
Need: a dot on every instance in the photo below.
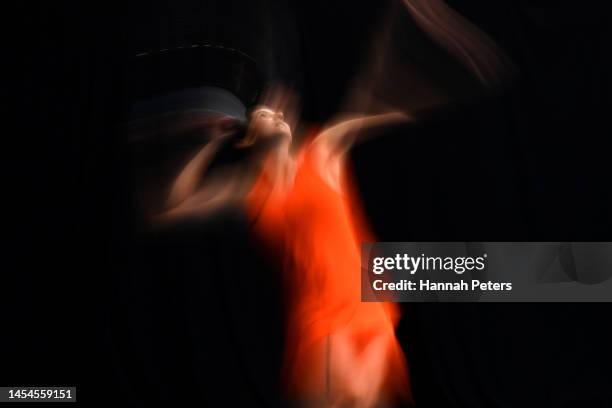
(280, 165)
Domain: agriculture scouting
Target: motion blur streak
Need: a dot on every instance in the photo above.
(464, 41)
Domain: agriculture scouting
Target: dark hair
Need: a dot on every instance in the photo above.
(248, 139)
(232, 151)
(249, 111)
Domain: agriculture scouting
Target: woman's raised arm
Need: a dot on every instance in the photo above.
(335, 140)
(187, 182)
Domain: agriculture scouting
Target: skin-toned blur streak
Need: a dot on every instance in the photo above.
(425, 57)
(469, 45)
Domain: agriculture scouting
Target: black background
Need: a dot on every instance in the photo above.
(92, 303)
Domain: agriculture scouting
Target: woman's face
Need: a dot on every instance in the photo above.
(267, 123)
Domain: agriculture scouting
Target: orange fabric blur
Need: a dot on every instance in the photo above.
(316, 233)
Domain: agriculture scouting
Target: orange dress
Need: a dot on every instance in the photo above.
(316, 232)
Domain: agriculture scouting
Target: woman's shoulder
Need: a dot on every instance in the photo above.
(309, 142)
